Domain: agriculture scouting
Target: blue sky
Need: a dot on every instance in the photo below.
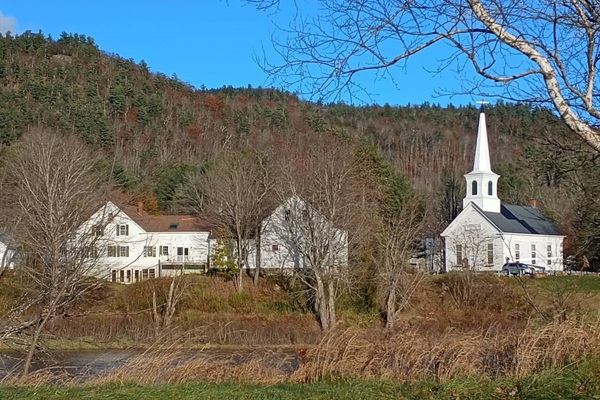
(204, 42)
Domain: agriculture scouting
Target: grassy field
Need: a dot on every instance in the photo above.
(464, 337)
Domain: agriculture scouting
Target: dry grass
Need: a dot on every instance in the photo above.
(411, 354)
(40, 378)
(171, 365)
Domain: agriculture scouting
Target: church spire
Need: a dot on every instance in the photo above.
(482, 182)
(482, 151)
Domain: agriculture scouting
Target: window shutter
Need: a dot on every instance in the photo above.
(118, 232)
(127, 230)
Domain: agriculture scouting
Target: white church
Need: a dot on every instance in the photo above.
(487, 233)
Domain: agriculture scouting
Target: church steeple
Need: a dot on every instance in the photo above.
(482, 151)
(482, 182)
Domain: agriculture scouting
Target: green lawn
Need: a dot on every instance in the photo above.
(569, 383)
(582, 284)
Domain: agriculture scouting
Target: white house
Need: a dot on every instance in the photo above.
(7, 252)
(487, 233)
(132, 245)
(292, 231)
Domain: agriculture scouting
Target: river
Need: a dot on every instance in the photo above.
(85, 365)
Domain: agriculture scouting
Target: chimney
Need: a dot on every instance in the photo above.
(140, 207)
(533, 203)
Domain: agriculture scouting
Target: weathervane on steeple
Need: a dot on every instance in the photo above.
(483, 103)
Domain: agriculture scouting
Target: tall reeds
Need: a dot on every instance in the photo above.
(409, 354)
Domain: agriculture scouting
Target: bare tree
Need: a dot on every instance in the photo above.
(51, 190)
(396, 242)
(544, 52)
(467, 249)
(233, 196)
(323, 205)
(163, 309)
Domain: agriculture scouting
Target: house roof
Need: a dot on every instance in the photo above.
(521, 219)
(165, 223)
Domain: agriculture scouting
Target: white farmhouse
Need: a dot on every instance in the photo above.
(487, 233)
(132, 245)
(291, 232)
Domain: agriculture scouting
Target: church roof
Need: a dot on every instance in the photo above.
(521, 219)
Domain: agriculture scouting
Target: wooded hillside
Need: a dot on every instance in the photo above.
(153, 131)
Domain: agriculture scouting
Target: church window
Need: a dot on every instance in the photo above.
(490, 253)
(490, 188)
(549, 248)
(474, 188)
(459, 255)
(533, 253)
(517, 251)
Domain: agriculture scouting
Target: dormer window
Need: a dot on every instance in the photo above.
(474, 188)
(122, 230)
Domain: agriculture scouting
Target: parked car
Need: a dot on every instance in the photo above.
(517, 268)
(537, 269)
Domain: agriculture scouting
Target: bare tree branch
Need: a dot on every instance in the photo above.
(543, 52)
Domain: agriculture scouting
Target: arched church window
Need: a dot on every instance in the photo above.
(490, 188)
(474, 188)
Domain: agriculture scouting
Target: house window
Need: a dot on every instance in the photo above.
(151, 273)
(275, 247)
(517, 251)
(98, 230)
(149, 251)
(163, 250)
(305, 215)
(89, 252)
(122, 230)
(144, 274)
(114, 275)
(490, 253)
(136, 275)
(128, 276)
(287, 215)
(118, 251)
(474, 188)
(123, 251)
(533, 254)
(549, 249)
(490, 188)
(121, 276)
(459, 255)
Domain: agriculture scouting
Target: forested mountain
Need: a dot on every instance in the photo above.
(153, 130)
